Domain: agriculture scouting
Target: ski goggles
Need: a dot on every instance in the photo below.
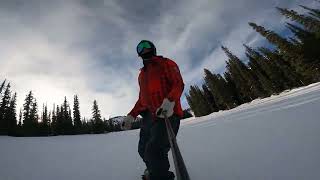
(142, 46)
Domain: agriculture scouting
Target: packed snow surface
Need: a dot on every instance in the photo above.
(275, 138)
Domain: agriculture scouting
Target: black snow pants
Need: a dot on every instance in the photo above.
(154, 145)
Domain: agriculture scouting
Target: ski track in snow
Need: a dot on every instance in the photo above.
(275, 138)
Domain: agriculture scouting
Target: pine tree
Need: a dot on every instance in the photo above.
(27, 109)
(244, 90)
(19, 130)
(12, 115)
(289, 52)
(2, 86)
(53, 123)
(281, 43)
(30, 116)
(300, 34)
(248, 85)
(210, 99)
(212, 82)
(34, 116)
(34, 112)
(59, 121)
(261, 68)
(66, 119)
(70, 120)
(76, 114)
(45, 121)
(192, 101)
(96, 111)
(192, 105)
(308, 44)
(312, 12)
(219, 89)
(282, 70)
(308, 22)
(201, 106)
(5, 111)
(226, 92)
(233, 92)
(20, 119)
(96, 118)
(308, 39)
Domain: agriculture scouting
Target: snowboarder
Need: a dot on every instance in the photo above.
(161, 87)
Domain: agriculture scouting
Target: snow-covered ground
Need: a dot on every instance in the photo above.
(275, 138)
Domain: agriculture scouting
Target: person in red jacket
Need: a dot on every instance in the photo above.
(161, 87)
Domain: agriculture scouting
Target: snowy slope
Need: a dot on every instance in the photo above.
(274, 138)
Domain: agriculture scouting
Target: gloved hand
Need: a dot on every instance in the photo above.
(127, 122)
(166, 108)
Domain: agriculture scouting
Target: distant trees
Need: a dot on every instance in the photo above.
(60, 120)
(294, 62)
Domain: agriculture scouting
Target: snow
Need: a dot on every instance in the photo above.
(273, 138)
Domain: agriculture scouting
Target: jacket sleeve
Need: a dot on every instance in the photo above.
(175, 79)
(138, 107)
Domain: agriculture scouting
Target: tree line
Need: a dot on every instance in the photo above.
(60, 120)
(290, 62)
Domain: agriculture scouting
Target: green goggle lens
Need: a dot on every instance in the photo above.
(143, 45)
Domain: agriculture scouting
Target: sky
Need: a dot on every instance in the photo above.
(87, 48)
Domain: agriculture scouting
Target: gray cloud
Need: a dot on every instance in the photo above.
(61, 48)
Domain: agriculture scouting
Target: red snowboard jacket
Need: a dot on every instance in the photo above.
(159, 78)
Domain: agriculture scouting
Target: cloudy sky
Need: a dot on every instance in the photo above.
(87, 47)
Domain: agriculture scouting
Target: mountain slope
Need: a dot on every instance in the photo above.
(273, 138)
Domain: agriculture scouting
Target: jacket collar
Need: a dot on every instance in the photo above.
(153, 60)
